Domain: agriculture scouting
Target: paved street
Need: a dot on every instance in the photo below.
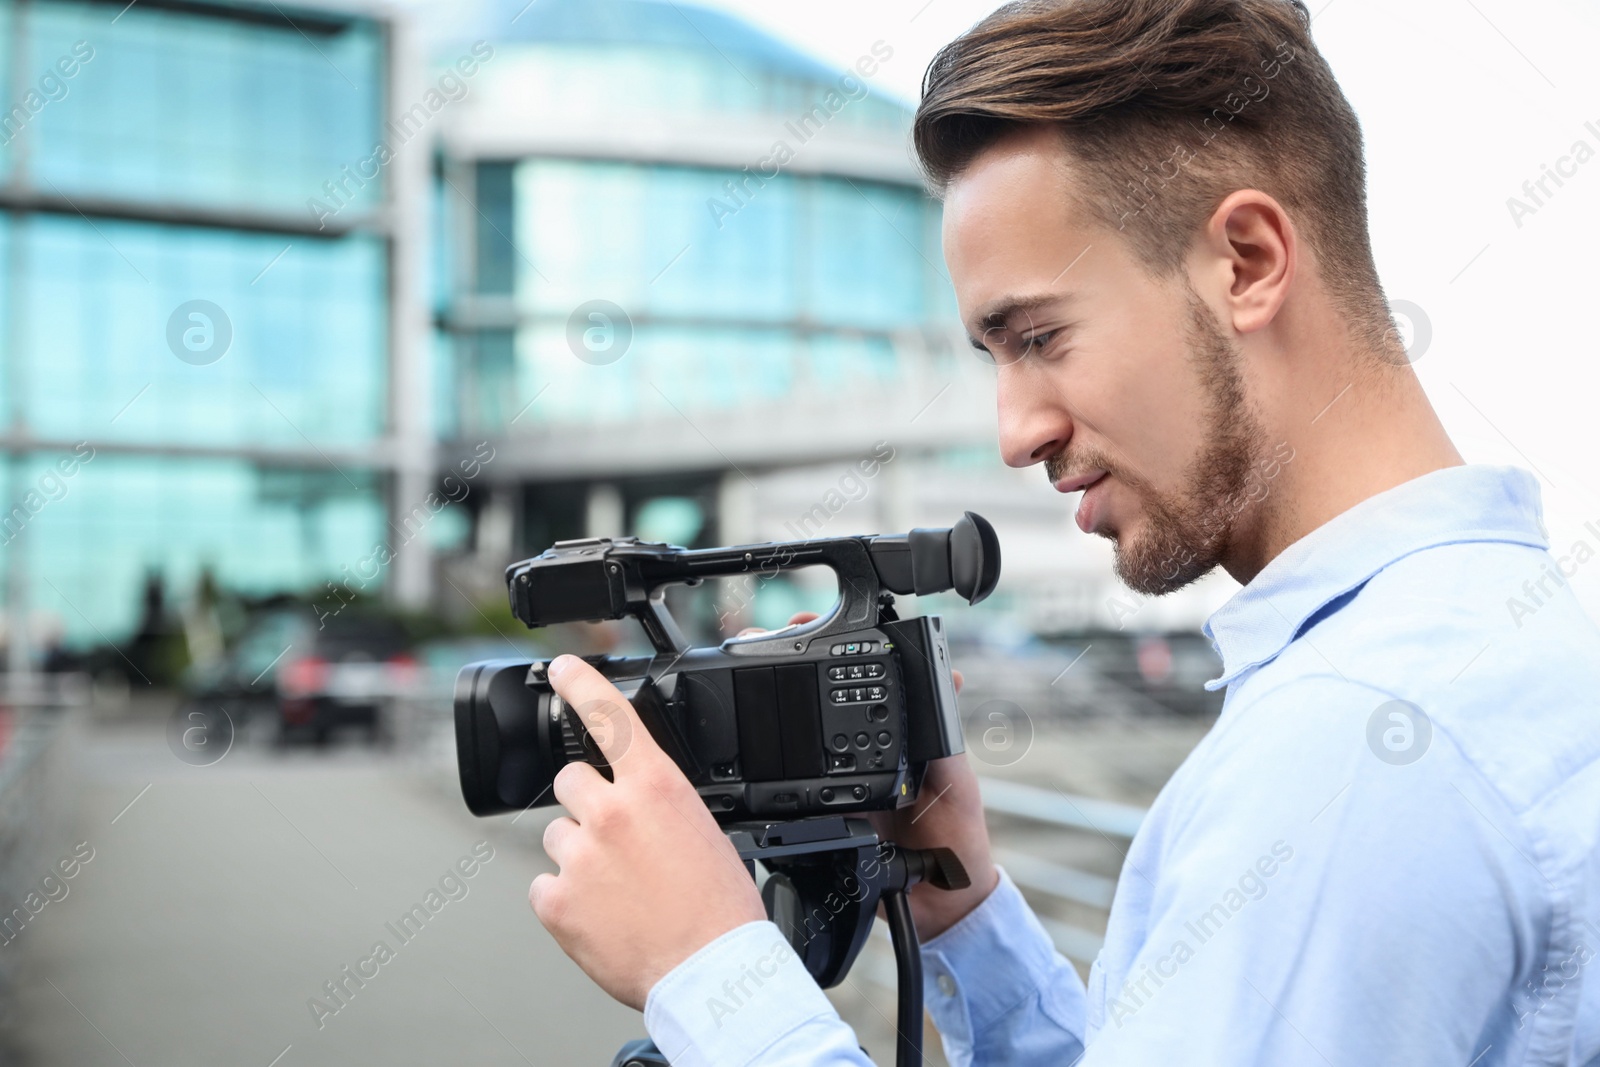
(219, 900)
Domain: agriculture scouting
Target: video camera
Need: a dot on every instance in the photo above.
(834, 716)
(784, 733)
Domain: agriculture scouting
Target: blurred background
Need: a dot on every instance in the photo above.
(315, 317)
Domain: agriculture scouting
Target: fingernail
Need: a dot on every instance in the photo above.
(560, 665)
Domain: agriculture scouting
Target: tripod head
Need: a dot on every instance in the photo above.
(826, 878)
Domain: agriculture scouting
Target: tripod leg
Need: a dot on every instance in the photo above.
(908, 967)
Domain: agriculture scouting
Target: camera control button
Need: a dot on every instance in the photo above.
(837, 674)
(885, 738)
(836, 650)
(844, 761)
(841, 743)
(862, 740)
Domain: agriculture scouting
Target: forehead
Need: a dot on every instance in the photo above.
(1015, 222)
(1033, 160)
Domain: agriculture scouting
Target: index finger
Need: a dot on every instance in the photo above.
(799, 618)
(604, 712)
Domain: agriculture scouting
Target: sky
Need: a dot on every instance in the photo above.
(838, 31)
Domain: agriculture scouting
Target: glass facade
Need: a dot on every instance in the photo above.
(179, 107)
(732, 296)
(154, 158)
(305, 362)
(260, 529)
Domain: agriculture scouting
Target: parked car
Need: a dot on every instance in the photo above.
(310, 679)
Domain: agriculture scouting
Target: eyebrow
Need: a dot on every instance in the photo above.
(999, 312)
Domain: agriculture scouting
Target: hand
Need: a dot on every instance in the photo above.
(647, 877)
(948, 814)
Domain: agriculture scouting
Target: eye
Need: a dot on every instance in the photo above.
(1000, 347)
(1039, 341)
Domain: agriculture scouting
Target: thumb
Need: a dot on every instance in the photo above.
(605, 713)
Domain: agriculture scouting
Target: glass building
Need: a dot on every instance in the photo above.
(677, 255)
(201, 368)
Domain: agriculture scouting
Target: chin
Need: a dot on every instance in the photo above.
(1151, 570)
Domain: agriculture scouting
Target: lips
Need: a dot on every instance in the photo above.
(1087, 483)
(1089, 506)
(1082, 481)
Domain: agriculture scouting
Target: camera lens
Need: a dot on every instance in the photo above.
(508, 748)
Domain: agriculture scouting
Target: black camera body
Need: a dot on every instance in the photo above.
(836, 716)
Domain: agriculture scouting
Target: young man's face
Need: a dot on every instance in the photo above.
(1103, 369)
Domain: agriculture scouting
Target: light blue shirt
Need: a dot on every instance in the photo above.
(1384, 853)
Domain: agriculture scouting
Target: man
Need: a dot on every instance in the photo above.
(1385, 851)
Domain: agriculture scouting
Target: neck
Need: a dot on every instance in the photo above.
(1358, 428)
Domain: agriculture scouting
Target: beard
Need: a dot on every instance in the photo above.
(1185, 535)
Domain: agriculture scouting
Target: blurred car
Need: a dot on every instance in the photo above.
(310, 679)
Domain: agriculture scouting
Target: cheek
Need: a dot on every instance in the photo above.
(1155, 404)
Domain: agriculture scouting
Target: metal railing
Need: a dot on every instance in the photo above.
(1109, 819)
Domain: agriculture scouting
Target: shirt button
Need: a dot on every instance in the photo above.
(947, 985)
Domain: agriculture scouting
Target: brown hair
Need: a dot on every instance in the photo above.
(1168, 106)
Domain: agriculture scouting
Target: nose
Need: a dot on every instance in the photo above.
(1033, 424)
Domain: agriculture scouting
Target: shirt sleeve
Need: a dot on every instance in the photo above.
(999, 992)
(746, 998)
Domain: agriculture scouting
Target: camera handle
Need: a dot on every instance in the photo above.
(827, 878)
(965, 557)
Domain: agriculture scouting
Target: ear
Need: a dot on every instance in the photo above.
(1254, 251)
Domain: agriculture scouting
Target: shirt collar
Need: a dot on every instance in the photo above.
(1455, 504)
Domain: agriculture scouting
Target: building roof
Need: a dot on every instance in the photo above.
(657, 24)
